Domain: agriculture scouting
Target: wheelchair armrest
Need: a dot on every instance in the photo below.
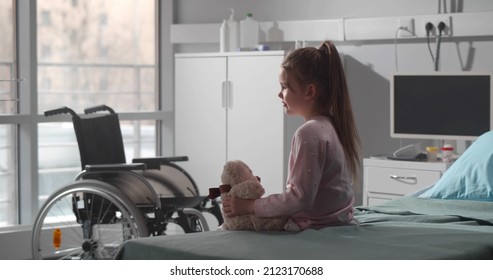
(115, 167)
(156, 162)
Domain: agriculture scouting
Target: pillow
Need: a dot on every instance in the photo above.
(471, 176)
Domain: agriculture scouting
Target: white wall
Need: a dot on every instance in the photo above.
(212, 11)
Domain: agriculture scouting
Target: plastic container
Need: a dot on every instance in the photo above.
(249, 30)
(224, 37)
(431, 153)
(234, 32)
(447, 153)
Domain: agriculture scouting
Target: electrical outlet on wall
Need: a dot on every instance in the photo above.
(406, 27)
(435, 20)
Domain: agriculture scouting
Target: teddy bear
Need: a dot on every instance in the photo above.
(238, 180)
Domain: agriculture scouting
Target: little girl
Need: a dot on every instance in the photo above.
(324, 158)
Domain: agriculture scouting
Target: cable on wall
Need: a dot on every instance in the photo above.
(395, 49)
(429, 27)
(441, 27)
(395, 43)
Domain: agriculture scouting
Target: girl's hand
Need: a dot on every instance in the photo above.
(233, 206)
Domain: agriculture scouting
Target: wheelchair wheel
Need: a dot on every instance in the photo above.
(87, 219)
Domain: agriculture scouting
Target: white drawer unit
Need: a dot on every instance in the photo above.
(388, 179)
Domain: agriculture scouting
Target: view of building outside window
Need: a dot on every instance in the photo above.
(96, 52)
(93, 52)
(89, 52)
(8, 106)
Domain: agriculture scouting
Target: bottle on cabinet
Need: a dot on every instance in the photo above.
(249, 32)
(431, 153)
(229, 34)
(234, 32)
(224, 37)
(448, 153)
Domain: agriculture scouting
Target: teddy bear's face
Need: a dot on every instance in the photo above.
(245, 172)
(237, 171)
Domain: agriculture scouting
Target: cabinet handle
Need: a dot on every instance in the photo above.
(404, 178)
(230, 94)
(224, 88)
(227, 96)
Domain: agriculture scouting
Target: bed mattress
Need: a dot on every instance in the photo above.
(406, 228)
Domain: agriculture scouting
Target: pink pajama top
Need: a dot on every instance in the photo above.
(318, 192)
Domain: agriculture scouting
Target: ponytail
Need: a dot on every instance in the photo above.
(337, 106)
(322, 66)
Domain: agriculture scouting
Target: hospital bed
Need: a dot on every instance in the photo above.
(453, 219)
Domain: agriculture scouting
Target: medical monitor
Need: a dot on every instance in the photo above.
(456, 106)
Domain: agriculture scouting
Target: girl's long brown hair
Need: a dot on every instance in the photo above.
(322, 67)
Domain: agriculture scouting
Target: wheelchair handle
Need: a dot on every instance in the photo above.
(98, 108)
(62, 110)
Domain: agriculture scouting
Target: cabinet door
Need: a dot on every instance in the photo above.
(200, 118)
(255, 126)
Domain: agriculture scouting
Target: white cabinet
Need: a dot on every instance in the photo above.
(226, 108)
(388, 179)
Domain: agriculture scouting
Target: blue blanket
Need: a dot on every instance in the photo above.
(406, 228)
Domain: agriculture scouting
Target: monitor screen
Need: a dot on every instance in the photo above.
(441, 105)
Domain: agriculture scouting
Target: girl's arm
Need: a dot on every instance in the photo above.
(233, 206)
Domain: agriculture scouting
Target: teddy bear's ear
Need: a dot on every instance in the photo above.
(229, 173)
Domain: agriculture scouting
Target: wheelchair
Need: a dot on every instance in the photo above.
(112, 201)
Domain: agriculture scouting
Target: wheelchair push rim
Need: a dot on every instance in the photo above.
(87, 219)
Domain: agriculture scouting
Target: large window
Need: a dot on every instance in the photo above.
(87, 53)
(93, 52)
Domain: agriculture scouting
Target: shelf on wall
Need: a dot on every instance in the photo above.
(355, 29)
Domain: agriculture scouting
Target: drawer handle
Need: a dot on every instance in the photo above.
(404, 178)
